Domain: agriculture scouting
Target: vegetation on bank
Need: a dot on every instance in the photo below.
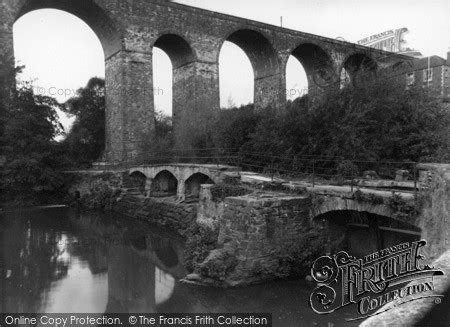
(375, 120)
(32, 159)
(31, 156)
(378, 120)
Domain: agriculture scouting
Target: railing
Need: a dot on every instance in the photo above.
(313, 169)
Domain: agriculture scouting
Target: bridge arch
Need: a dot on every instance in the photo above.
(361, 232)
(192, 184)
(268, 85)
(138, 180)
(123, 81)
(318, 66)
(107, 30)
(176, 47)
(259, 50)
(164, 184)
(325, 204)
(358, 66)
(350, 222)
(182, 87)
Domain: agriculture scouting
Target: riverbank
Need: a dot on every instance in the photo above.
(225, 245)
(239, 233)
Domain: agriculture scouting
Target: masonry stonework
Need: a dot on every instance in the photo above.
(129, 29)
(173, 216)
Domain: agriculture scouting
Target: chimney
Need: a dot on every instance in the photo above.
(448, 58)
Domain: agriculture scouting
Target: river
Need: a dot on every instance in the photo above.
(59, 260)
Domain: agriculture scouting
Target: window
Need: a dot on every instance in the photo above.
(410, 79)
(428, 75)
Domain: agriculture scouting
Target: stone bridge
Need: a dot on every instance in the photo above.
(260, 228)
(177, 179)
(129, 30)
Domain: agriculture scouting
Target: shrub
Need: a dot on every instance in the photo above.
(220, 267)
(297, 257)
(403, 209)
(200, 241)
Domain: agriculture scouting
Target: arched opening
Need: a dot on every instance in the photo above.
(138, 181)
(173, 84)
(363, 233)
(359, 67)
(296, 79)
(177, 48)
(164, 286)
(265, 66)
(108, 34)
(344, 79)
(235, 92)
(164, 184)
(165, 251)
(313, 63)
(193, 183)
(162, 82)
(89, 12)
(50, 53)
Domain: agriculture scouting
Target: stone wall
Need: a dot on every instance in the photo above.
(162, 212)
(435, 217)
(209, 212)
(87, 181)
(98, 190)
(267, 235)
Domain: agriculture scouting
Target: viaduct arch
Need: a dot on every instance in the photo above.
(192, 37)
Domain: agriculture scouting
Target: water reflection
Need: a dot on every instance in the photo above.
(60, 261)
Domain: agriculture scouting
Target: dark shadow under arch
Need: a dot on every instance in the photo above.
(360, 66)
(164, 184)
(317, 64)
(192, 184)
(138, 181)
(165, 251)
(363, 233)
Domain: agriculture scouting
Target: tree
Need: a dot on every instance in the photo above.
(30, 125)
(163, 132)
(234, 127)
(376, 119)
(86, 140)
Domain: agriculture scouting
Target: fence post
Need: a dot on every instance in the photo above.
(352, 178)
(415, 182)
(314, 173)
(272, 168)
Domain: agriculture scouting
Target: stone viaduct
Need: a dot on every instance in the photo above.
(128, 31)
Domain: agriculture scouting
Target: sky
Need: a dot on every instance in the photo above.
(61, 53)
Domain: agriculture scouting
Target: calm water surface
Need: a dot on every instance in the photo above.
(58, 260)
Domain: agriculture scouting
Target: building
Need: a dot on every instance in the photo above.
(432, 73)
(428, 72)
